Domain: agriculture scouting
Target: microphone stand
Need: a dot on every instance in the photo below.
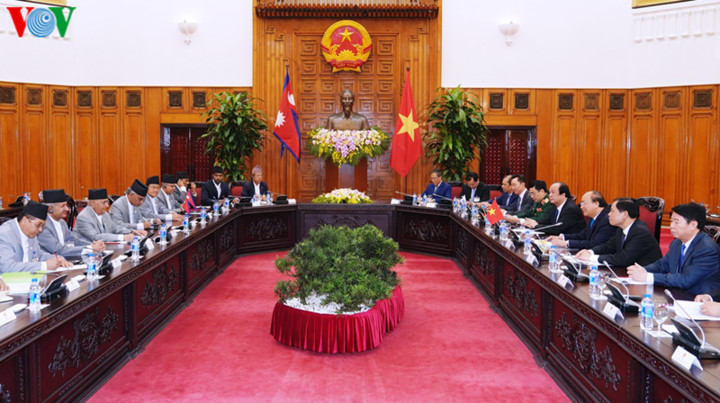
(625, 303)
(684, 338)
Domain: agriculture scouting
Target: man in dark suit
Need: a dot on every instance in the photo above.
(473, 188)
(566, 213)
(693, 259)
(507, 198)
(437, 187)
(215, 189)
(632, 243)
(524, 201)
(593, 206)
(256, 186)
(540, 210)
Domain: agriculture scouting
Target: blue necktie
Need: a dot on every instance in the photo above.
(557, 215)
(681, 259)
(592, 222)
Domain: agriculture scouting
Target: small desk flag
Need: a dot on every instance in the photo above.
(494, 214)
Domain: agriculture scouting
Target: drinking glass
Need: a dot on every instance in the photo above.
(602, 282)
(661, 312)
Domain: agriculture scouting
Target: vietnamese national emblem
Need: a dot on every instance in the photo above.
(346, 45)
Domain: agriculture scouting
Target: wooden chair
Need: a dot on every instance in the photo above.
(236, 188)
(651, 212)
(73, 211)
(495, 191)
(713, 231)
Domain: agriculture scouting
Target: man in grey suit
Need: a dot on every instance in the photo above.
(95, 224)
(19, 247)
(181, 188)
(153, 207)
(167, 194)
(125, 211)
(57, 237)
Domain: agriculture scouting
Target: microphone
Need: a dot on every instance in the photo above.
(548, 226)
(627, 291)
(404, 194)
(619, 299)
(702, 332)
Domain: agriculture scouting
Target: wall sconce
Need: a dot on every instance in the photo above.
(509, 29)
(188, 28)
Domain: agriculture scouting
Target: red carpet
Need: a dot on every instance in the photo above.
(449, 347)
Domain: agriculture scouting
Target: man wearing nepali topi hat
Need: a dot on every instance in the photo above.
(95, 224)
(19, 247)
(57, 236)
(256, 186)
(153, 206)
(125, 211)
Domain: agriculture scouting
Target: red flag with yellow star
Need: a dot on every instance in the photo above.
(494, 214)
(406, 147)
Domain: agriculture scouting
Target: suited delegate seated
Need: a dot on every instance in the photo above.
(95, 224)
(473, 190)
(126, 212)
(519, 188)
(166, 196)
(540, 211)
(215, 190)
(19, 247)
(598, 231)
(153, 207)
(57, 238)
(437, 189)
(507, 198)
(632, 243)
(256, 187)
(693, 260)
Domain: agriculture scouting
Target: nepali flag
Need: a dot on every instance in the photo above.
(286, 125)
(189, 203)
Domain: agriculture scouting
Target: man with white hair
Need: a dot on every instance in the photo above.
(256, 186)
(57, 237)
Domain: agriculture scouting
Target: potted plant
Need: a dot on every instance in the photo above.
(235, 130)
(457, 130)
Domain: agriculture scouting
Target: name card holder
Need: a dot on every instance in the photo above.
(565, 282)
(686, 359)
(7, 316)
(613, 312)
(72, 285)
(150, 244)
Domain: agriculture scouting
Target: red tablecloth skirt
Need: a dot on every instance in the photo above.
(329, 333)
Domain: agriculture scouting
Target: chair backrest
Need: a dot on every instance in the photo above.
(651, 212)
(73, 211)
(4, 219)
(236, 189)
(112, 198)
(713, 231)
(494, 194)
(455, 191)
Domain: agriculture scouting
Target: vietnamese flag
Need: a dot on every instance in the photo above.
(494, 214)
(407, 146)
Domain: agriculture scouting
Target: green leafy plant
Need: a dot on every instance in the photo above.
(235, 129)
(457, 131)
(350, 266)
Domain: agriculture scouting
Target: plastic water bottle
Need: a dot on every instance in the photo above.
(226, 205)
(135, 247)
(646, 313)
(34, 295)
(203, 215)
(254, 199)
(91, 267)
(594, 281)
(163, 234)
(1, 203)
(216, 208)
(527, 246)
(186, 224)
(415, 199)
(269, 198)
(26, 198)
(553, 260)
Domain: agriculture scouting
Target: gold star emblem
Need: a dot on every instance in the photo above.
(491, 211)
(346, 35)
(409, 125)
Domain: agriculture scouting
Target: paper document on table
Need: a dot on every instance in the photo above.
(574, 260)
(692, 308)
(629, 281)
(19, 282)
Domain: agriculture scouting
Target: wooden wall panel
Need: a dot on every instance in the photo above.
(85, 143)
(702, 171)
(60, 140)
(35, 154)
(10, 143)
(642, 155)
(589, 141)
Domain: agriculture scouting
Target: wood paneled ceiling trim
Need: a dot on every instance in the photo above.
(319, 9)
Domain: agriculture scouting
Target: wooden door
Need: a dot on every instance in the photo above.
(510, 150)
(183, 149)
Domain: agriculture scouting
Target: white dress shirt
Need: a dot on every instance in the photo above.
(58, 229)
(27, 251)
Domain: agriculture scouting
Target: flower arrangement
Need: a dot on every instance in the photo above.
(343, 196)
(347, 146)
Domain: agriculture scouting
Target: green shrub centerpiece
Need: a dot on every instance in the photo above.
(348, 267)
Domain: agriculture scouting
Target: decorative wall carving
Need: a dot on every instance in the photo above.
(346, 220)
(7, 95)
(90, 332)
(483, 260)
(109, 99)
(227, 239)
(84, 99)
(60, 98)
(425, 230)
(267, 228)
(617, 102)
(565, 102)
(462, 241)
(643, 101)
(591, 102)
(580, 340)
(34, 96)
(134, 99)
(199, 99)
(497, 100)
(671, 100)
(175, 99)
(702, 99)
(525, 299)
(5, 396)
(164, 282)
(204, 253)
(522, 101)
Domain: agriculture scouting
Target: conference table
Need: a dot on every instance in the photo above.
(71, 347)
